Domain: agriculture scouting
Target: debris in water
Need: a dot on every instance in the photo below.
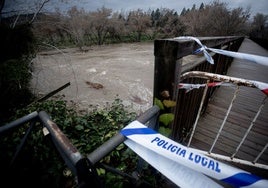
(94, 85)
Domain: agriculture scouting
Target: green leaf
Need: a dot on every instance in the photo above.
(166, 118)
(79, 127)
(120, 147)
(159, 103)
(100, 171)
(169, 103)
(164, 131)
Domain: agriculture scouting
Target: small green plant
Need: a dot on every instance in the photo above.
(165, 117)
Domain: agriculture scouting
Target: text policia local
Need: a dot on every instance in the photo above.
(198, 159)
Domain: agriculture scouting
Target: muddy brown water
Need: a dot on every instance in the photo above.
(98, 75)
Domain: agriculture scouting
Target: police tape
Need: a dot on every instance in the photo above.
(183, 165)
(177, 173)
(250, 57)
(188, 87)
(262, 86)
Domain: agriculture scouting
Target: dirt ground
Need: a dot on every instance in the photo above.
(99, 75)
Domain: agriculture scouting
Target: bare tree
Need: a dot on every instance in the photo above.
(237, 21)
(216, 19)
(51, 27)
(99, 24)
(76, 24)
(116, 27)
(169, 24)
(192, 21)
(259, 26)
(82, 26)
(138, 22)
(39, 7)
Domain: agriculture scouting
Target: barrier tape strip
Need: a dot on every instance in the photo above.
(181, 164)
(262, 86)
(177, 173)
(250, 57)
(188, 87)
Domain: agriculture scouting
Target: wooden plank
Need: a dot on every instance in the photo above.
(242, 107)
(234, 140)
(226, 146)
(201, 141)
(243, 111)
(236, 130)
(237, 118)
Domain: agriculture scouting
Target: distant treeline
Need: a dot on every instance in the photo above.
(82, 28)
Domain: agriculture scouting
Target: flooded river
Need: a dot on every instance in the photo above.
(98, 75)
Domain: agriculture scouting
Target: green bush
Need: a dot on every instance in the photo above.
(40, 161)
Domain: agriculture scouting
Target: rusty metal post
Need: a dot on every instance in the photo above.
(67, 150)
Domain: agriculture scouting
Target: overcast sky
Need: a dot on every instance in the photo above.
(257, 6)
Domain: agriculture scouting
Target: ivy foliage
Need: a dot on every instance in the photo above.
(39, 160)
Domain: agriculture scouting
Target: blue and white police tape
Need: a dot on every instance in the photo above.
(262, 60)
(182, 164)
(177, 173)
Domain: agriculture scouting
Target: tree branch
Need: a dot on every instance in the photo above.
(37, 12)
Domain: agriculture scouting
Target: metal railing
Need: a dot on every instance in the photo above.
(237, 83)
(82, 167)
(171, 61)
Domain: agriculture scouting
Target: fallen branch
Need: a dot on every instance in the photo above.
(53, 92)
